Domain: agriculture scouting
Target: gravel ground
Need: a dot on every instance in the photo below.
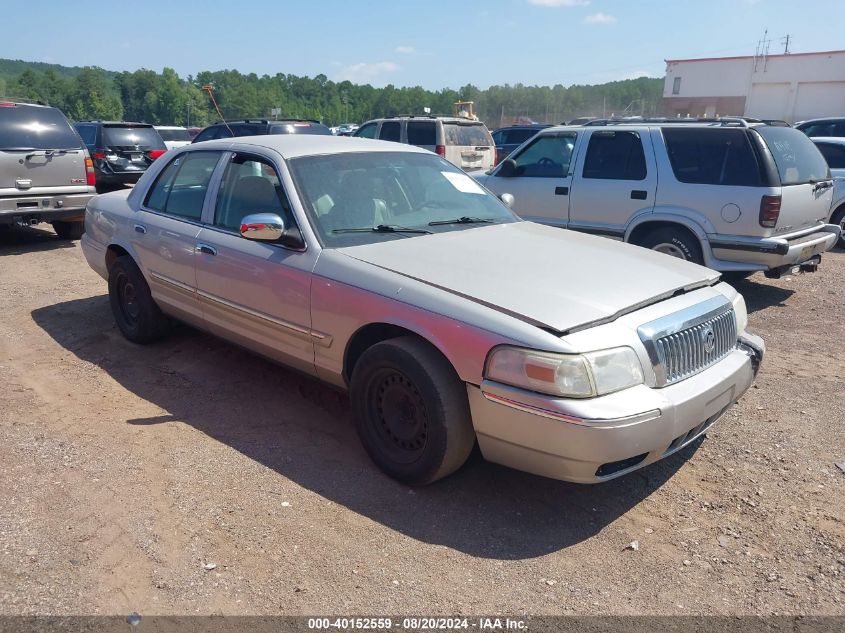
(192, 477)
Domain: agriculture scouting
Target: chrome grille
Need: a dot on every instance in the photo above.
(682, 344)
(689, 351)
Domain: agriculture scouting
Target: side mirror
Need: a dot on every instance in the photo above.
(262, 227)
(507, 169)
(507, 200)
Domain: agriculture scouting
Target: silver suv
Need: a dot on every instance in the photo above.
(734, 196)
(466, 143)
(46, 174)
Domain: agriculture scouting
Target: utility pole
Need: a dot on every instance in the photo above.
(785, 41)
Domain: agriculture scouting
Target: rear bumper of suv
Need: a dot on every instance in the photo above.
(773, 253)
(44, 208)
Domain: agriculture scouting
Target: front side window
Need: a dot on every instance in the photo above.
(713, 157)
(549, 156)
(250, 185)
(367, 131)
(180, 188)
(615, 156)
(834, 154)
(347, 195)
(797, 158)
(390, 131)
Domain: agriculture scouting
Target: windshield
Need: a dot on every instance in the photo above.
(117, 136)
(173, 135)
(30, 127)
(395, 189)
(798, 160)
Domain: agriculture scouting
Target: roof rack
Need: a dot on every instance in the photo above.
(23, 101)
(725, 121)
(266, 121)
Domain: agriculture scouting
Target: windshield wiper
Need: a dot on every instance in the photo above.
(463, 220)
(382, 228)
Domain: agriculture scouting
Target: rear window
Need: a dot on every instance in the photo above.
(422, 133)
(300, 128)
(31, 127)
(125, 135)
(615, 156)
(174, 135)
(713, 157)
(797, 158)
(467, 134)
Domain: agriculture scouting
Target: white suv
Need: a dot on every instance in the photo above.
(734, 196)
(465, 143)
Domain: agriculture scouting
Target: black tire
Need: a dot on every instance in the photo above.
(838, 217)
(135, 312)
(69, 230)
(411, 411)
(683, 243)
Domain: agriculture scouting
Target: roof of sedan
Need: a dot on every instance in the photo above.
(294, 145)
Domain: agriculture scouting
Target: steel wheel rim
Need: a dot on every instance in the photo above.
(127, 295)
(400, 423)
(669, 249)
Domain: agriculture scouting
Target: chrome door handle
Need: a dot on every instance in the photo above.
(140, 228)
(206, 249)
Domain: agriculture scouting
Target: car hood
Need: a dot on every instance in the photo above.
(554, 278)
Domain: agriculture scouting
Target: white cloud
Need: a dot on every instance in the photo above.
(405, 50)
(366, 73)
(559, 3)
(599, 18)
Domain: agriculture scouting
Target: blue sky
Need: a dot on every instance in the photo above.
(434, 43)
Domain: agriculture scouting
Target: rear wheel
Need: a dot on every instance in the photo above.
(838, 218)
(135, 312)
(411, 411)
(675, 242)
(69, 230)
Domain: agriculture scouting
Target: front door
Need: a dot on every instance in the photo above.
(164, 231)
(615, 180)
(542, 180)
(255, 293)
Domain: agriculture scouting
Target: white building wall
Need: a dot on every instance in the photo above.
(789, 87)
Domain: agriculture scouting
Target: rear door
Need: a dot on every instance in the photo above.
(806, 184)
(40, 153)
(616, 178)
(542, 180)
(469, 145)
(390, 131)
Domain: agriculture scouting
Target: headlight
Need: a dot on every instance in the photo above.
(566, 375)
(741, 313)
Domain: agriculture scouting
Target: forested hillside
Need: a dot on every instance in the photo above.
(167, 98)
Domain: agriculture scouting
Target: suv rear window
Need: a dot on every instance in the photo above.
(174, 135)
(36, 127)
(713, 157)
(464, 135)
(422, 133)
(127, 135)
(798, 160)
(615, 156)
(304, 127)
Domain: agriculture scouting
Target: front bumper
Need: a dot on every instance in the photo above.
(589, 441)
(775, 252)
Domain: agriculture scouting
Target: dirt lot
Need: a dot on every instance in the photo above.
(191, 477)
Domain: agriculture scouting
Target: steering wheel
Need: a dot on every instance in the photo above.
(546, 162)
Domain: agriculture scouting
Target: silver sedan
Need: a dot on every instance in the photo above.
(384, 270)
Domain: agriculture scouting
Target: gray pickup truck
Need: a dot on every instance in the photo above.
(734, 195)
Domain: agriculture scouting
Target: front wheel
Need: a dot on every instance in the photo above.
(838, 218)
(411, 411)
(674, 242)
(135, 311)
